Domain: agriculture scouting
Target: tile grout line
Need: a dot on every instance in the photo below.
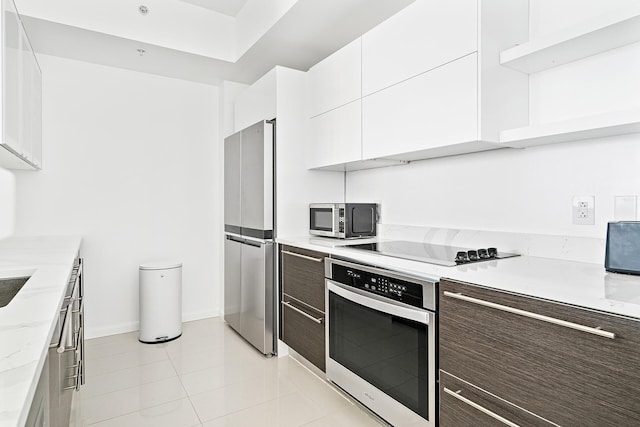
(83, 419)
(132, 386)
(182, 385)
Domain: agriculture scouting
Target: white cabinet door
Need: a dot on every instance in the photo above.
(432, 110)
(424, 35)
(11, 68)
(336, 136)
(336, 80)
(21, 95)
(26, 119)
(36, 113)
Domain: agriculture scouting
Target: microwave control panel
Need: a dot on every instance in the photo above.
(341, 220)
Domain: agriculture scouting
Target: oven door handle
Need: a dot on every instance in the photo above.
(376, 303)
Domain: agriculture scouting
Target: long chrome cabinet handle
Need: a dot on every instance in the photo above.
(318, 320)
(480, 408)
(553, 320)
(65, 330)
(310, 258)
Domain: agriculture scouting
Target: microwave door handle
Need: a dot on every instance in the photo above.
(372, 301)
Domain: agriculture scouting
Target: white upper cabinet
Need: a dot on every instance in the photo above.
(434, 109)
(336, 80)
(11, 68)
(422, 36)
(21, 144)
(36, 112)
(336, 137)
(432, 84)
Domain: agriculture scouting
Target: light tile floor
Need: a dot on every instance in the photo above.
(209, 377)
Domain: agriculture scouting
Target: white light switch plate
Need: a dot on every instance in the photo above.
(625, 208)
(583, 210)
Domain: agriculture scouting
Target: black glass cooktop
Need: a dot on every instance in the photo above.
(434, 254)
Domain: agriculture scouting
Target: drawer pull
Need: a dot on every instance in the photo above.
(318, 320)
(482, 409)
(571, 325)
(310, 258)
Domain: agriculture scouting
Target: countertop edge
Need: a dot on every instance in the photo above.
(573, 283)
(47, 255)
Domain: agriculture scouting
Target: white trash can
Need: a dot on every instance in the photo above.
(160, 301)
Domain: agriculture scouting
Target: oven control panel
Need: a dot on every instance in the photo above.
(400, 290)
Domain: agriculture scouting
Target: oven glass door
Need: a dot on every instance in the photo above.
(321, 219)
(390, 352)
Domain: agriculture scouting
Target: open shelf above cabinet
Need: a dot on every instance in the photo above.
(596, 126)
(609, 31)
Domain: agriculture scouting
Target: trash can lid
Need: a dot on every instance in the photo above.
(160, 265)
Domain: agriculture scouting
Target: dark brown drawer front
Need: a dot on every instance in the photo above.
(302, 334)
(303, 278)
(459, 411)
(569, 377)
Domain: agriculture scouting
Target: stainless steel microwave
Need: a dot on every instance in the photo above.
(343, 220)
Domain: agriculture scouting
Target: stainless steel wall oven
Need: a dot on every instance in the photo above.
(382, 340)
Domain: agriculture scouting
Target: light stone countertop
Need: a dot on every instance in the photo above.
(580, 284)
(28, 321)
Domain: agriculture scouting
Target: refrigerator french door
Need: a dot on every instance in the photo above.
(249, 296)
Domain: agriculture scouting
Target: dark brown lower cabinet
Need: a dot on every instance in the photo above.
(303, 331)
(462, 404)
(560, 363)
(303, 275)
(302, 303)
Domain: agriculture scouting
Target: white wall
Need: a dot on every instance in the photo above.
(130, 163)
(256, 102)
(230, 92)
(282, 93)
(7, 202)
(528, 190)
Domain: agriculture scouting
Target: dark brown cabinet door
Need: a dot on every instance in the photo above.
(567, 376)
(303, 331)
(303, 275)
(302, 315)
(462, 404)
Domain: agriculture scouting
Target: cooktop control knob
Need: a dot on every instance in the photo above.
(473, 255)
(461, 258)
(483, 254)
(493, 252)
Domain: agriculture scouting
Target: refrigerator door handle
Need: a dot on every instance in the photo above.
(255, 244)
(257, 241)
(234, 238)
(246, 240)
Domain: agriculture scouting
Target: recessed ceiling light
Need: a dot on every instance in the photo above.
(143, 9)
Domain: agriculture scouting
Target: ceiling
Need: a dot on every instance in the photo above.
(226, 7)
(198, 44)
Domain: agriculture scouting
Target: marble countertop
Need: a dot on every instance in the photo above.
(28, 321)
(581, 284)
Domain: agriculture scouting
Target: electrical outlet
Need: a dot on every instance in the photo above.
(583, 209)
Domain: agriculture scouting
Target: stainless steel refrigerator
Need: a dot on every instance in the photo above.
(249, 260)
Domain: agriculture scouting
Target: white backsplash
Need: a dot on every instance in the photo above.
(570, 248)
